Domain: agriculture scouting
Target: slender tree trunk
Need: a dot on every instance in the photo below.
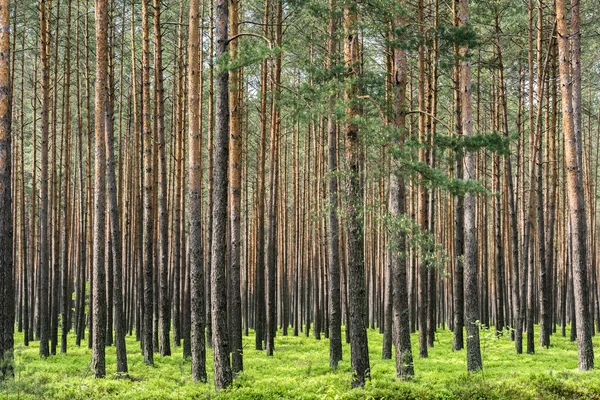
(544, 299)
(7, 285)
(64, 262)
(335, 311)
(194, 193)
(271, 326)
(356, 274)
(397, 208)
(422, 194)
(259, 292)
(176, 237)
(44, 316)
(235, 193)
(163, 253)
(459, 222)
(148, 222)
(211, 135)
(24, 254)
(99, 286)
(115, 234)
(518, 324)
(571, 109)
(470, 259)
(219, 241)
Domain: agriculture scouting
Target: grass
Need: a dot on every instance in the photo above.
(300, 370)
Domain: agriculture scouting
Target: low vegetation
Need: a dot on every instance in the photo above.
(299, 369)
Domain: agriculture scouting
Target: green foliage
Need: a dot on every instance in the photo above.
(492, 142)
(300, 370)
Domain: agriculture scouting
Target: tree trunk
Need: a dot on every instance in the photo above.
(219, 243)
(459, 219)
(148, 221)
(7, 285)
(518, 324)
(44, 316)
(271, 250)
(235, 192)
(397, 208)
(195, 198)
(259, 292)
(356, 274)
(115, 235)
(163, 253)
(99, 286)
(64, 262)
(570, 84)
(335, 312)
(470, 263)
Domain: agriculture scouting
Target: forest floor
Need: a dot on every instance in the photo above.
(300, 370)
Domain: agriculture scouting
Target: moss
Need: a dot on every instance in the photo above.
(300, 370)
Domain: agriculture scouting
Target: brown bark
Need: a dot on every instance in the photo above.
(470, 260)
(571, 103)
(354, 223)
(397, 208)
(517, 323)
(235, 192)
(260, 307)
(271, 248)
(194, 193)
(176, 237)
(115, 235)
(459, 223)
(99, 286)
(220, 338)
(163, 251)
(44, 316)
(335, 311)
(7, 285)
(148, 181)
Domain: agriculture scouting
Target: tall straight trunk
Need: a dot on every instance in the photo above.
(176, 238)
(335, 311)
(195, 198)
(459, 222)
(7, 285)
(432, 125)
(211, 134)
(24, 254)
(259, 292)
(551, 259)
(80, 290)
(235, 198)
(148, 179)
(44, 316)
(470, 260)
(115, 235)
(355, 238)
(518, 324)
(385, 315)
(422, 195)
(55, 223)
(219, 241)
(64, 262)
(271, 250)
(498, 239)
(544, 295)
(163, 218)
(99, 286)
(397, 208)
(570, 85)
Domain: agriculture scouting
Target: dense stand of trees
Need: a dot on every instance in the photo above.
(317, 165)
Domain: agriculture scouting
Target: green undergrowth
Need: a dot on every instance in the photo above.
(300, 370)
